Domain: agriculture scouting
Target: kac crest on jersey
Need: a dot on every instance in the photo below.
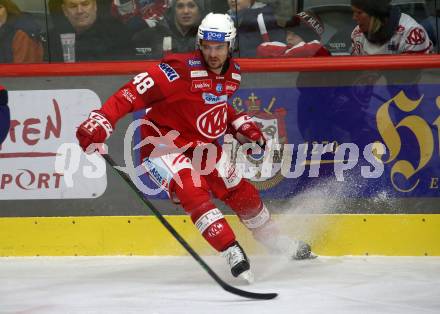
(213, 122)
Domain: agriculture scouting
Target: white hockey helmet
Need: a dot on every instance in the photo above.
(217, 27)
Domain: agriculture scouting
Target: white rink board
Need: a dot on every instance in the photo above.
(168, 285)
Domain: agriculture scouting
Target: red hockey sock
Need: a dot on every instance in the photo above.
(205, 215)
(246, 203)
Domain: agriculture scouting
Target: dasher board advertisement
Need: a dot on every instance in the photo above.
(40, 158)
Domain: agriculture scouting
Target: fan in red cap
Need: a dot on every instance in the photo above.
(5, 118)
(303, 35)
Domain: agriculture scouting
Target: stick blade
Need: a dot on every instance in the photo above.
(248, 294)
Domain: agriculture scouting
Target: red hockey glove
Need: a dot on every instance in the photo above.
(247, 131)
(95, 130)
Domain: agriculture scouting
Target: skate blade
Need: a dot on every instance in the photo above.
(247, 276)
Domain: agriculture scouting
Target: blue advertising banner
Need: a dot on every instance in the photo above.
(377, 140)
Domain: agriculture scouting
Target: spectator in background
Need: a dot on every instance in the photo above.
(283, 9)
(97, 37)
(20, 36)
(383, 29)
(432, 22)
(5, 118)
(177, 32)
(245, 14)
(303, 35)
(140, 14)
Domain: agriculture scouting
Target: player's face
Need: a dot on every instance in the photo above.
(362, 19)
(215, 54)
(187, 13)
(80, 13)
(3, 15)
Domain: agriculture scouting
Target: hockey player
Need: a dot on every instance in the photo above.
(188, 93)
(303, 39)
(5, 119)
(383, 29)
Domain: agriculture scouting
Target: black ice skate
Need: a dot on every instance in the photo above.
(238, 262)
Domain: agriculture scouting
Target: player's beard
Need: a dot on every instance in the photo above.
(215, 63)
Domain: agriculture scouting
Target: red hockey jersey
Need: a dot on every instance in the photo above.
(180, 93)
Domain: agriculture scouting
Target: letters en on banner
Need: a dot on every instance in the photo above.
(40, 158)
(377, 140)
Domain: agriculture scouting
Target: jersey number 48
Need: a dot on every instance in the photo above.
(143, 82)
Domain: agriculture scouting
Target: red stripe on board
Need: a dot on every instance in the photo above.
(321, 64)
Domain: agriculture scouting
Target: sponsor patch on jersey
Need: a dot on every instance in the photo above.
(230, 87)
(237, 66)
(156, 174)
(202, 85)
(199, 73)
(236, 77)
(219, 87)
(214, 36)
(127, 94)
(211, 99)
(194, 62)
(169, 72)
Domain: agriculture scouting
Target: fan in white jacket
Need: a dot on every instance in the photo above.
(383, 29)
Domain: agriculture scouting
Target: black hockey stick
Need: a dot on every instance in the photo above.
(188, 248)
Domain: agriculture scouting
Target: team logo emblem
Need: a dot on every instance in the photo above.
(215, 229)
(219, 88)
(212, 123)
(416, 37)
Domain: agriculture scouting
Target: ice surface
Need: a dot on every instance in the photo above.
(168, 285)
